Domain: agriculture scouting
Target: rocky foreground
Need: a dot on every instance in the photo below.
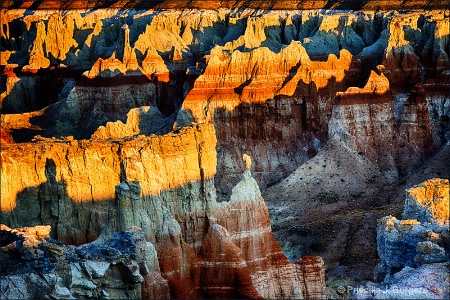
(233, 255)
(121, 263)
(414, 251)
(108, 107)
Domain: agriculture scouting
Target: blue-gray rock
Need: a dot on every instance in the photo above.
(415, 252)
(45, 268)
(429, 281)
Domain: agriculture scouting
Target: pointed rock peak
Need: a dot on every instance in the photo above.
(176, 54)
(152, 54)
(247, 160)
(125, 35)
(247, 189)
(217, 231)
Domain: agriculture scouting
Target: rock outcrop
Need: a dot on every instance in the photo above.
(247, 223)
(36, 266)
(413, 248)
(428, 202)
(70, 184)
(176, 213)
(423, 236)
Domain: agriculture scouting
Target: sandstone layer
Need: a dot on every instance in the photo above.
(60, 177)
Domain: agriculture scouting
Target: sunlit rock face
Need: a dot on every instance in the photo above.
(428, 202)
(64, 177)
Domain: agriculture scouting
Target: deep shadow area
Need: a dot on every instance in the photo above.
(37, 90)
(346, 4)
(49, 204)
(82, 118)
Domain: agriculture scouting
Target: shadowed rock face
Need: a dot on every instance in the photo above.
(35, 266)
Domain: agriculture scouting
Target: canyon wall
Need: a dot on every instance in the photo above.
(204, 248)
(229, 4)
(310, 82)
(268, 81)
(61, 177)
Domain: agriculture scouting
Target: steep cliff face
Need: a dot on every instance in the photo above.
(176, 211)
(393, 133)
(282, 68)
(415, 49)
(66, 176)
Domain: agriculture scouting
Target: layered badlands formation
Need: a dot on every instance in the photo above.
(204, 249)
(348, 103)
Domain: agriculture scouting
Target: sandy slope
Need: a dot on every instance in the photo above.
(332, 178)
(340, 224)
